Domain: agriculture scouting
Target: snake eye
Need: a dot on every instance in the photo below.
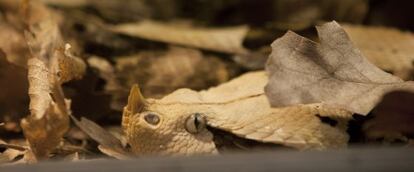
(195, 123)
(152, 118)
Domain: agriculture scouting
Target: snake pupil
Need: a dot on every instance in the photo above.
(195, 123)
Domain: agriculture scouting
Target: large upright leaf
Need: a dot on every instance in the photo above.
(333, 72)
(49, 65)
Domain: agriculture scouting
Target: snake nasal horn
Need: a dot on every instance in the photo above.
(136, 102)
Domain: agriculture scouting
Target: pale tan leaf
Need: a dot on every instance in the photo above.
(39, 87)
(226, 40)
(12, 151)
(333, 72)
(9, 155)
(388, 48)
(28, 157)
(112, 153)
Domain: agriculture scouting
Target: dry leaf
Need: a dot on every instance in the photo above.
(45, 133)
(113, 153)
(109, 144)
(226, 40)
(333, 72)
(160, 73)
(12, 146)
(390, 49)
(47, 116)
(10, 155)
(70, 66)
(15, 47)
(39, 87)
(48, 67)
(393, 117)
(73, 157)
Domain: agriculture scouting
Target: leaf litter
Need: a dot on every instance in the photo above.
(67, 61)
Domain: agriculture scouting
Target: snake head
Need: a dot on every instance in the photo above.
(152, 127)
